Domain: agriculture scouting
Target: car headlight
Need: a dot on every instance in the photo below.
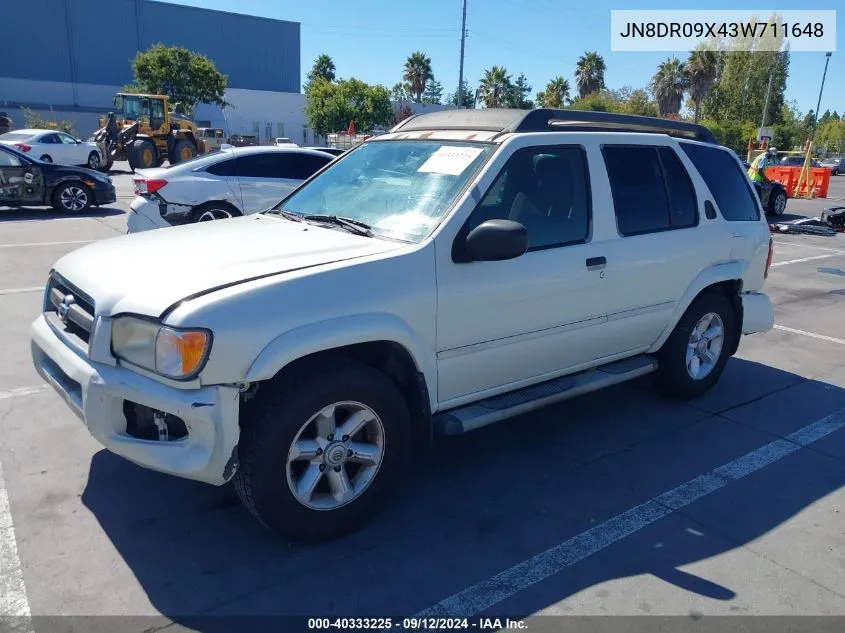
(172, 352)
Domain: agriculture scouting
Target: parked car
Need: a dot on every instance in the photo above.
(836, 165)
(224, 184)
(334, 151)
(239, 140)
(283, 141)
(212, 137)
(797, 161)
(466, 267)
(26, 181)
(50, 146)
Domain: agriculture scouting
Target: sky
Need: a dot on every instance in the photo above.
(370, 39)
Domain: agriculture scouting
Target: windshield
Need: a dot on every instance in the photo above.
(399, 188)
(129, 106)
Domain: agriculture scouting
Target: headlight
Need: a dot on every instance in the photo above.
(171, 352)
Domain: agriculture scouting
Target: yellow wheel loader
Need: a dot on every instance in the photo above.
(143, 131)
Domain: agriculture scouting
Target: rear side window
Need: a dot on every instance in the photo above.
(726, 180)
(223, 168)
(639, 195)
(682, 202)
(308, 165)
(268, 165)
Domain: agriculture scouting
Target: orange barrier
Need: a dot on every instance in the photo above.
(788, 177)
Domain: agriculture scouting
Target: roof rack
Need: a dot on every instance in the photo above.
(505, 120)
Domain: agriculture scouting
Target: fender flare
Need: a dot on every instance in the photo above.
(728, 271)
(340, 332)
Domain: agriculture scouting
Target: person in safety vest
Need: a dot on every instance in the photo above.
(757, 170)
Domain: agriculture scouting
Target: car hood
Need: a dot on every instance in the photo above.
(147, 273)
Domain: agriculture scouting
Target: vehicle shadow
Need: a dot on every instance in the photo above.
(480, 503)
(37, 214)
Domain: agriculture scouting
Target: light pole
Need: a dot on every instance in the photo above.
(461, 70)
(819, 104)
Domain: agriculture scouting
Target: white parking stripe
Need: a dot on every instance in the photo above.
(508, 583)
(13, 600)
(46, 243)
(23, 391)
(806, 259)
(821, 337)
(17, 291)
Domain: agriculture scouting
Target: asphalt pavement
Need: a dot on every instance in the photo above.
(616, 503)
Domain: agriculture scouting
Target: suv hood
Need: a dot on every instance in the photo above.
(146, 273)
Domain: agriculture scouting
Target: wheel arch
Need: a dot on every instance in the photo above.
(216, 202)
(50, 190)
(725, 278)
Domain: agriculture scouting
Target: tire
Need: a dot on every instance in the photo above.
(93, 161)
(674, 377)
(182, 150)
(72, 197)
(213, 211)
(777, 203)
(46, 159)
(142, 155)
(265, 478)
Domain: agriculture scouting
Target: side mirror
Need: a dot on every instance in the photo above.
(496, 240)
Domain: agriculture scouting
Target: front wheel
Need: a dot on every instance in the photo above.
(322, 450)
(72, 197)
(777, 202)
(694, 356)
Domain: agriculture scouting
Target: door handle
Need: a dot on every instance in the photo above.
(596, 262)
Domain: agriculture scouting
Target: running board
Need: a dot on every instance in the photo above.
(508, 405)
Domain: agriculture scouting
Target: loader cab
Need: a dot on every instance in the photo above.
(148, 109)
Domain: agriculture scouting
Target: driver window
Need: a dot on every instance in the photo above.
(67, 140)
(544, 189)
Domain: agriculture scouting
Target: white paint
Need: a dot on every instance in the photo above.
(27, 244)
(806, 259)
(17, 291)
(508, 583)
(821, 337)
(23, 391)
(13, 600)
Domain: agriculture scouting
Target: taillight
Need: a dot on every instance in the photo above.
(145, 186)
(769, 258)
(22, 147)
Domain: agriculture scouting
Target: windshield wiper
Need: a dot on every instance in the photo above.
(289, 215)
(355, 226)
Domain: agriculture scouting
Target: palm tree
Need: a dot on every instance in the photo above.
(589, 73)
(494, 87)
(323, 68)
(417, 74)
(556, 94)
(701, 71)
(668, 86)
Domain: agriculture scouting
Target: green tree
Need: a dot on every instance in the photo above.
(400, 93)
(668, 86)
(600, 101)
(824, 118)
(323, 68)
(494, 87)
(639, 102)
(186, 77)
(433, 92)
(701, 70)
(417, 73)
(556, 94)
(835, 116)
(330, 106)
(33, 120)
(589, 73)
(467, 96)
(517, 94)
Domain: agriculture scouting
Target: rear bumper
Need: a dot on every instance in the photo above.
(96, 394)
(144, 215)
(758, 314)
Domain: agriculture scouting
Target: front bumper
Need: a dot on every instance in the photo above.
(105, 196)
(758, 315)
(96, 394)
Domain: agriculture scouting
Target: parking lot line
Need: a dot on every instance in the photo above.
(821, 337)
(488, 593)
(807, 259)
(27, 244)
(23, 391)
(17, 291)
(13, 599)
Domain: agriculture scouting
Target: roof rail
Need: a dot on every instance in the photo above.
(505, 120)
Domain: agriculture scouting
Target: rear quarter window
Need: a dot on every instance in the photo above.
(729, 184)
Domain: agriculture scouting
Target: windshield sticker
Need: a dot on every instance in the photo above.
(450, 160)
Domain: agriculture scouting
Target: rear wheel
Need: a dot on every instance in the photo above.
(72, 197)
(694, 356)
(93, 161)
(182, 150)
(777, 202)
(214, 211)
(46, 159)
(142, 155)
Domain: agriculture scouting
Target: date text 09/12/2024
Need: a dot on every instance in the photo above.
(416, 624)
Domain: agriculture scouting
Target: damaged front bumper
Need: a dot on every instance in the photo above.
(198, 429)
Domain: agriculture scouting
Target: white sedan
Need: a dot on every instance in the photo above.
(229, 182)
(51, 146)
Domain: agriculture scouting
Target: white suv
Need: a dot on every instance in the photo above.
(466, 267)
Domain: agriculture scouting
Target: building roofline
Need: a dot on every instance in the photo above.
(218, 11)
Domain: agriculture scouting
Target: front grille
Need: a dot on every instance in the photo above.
(69, 310)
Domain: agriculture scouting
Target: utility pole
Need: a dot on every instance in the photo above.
(819, 104)
(461, 71)
(768, 95)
